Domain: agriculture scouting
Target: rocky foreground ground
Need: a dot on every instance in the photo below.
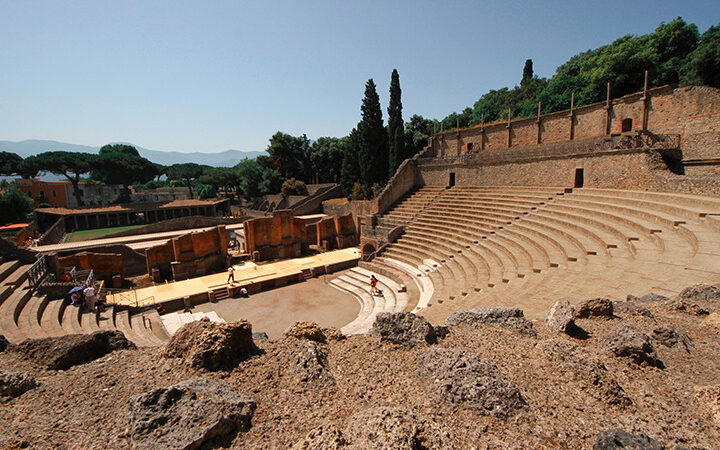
(638, 374)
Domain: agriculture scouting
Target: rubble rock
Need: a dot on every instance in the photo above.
(465, 379)
(627, 341)
(3, 343)
(188, 414)
(651, 297)
(306, 330)
(211, 345)
(709, 398)
(579, 365)
(595, 307)
(392, 428)
(260, 336)
(505, 316)
(713, 320)
(403, 328)
(669, 336)
(15, 384)
(700, 292)
(59, 353)
(617, 438)
(632, 309)
(309, 364)
(325, 437)
(333, 334)
(561, 317)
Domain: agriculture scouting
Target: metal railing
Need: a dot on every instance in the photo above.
(127, 297)
(37, 272)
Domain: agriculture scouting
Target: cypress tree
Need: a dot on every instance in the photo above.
(527, 72)
(373, 154)
(395, 125)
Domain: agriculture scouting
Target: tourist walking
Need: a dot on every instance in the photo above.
(373, 285)
(231, 274)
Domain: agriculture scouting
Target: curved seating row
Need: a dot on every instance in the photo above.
(510, 245)
(25, 314)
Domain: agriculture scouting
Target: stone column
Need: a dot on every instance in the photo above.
(482, 132)
(608, 111)
(572, 116)
(539, 124)
(509, 129)
(645, 99)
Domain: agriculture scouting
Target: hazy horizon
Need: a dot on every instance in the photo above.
(207, 77)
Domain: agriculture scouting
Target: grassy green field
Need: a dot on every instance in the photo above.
(87, 235)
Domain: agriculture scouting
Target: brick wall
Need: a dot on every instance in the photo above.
(189, 255)
(104, 265)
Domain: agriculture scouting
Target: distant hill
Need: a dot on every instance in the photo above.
(226, 158)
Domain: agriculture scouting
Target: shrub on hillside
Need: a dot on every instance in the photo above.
(293, 187)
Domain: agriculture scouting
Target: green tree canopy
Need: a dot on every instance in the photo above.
(187, 172)
(326, 156)
(350, 169)
(14, 205)
(289, 155)
(9, 163)
(703, 65)
(72, 165)
(122, 164)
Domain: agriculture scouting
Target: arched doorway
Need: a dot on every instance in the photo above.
(368, 249)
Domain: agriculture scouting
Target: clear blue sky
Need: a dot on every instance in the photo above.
(209, 75)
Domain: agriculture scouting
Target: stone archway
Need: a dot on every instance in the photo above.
(368, 249)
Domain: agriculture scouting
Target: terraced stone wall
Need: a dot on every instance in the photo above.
(686, 111)
(104, 265)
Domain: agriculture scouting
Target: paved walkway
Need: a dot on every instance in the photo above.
(138, 241)
(246, 272)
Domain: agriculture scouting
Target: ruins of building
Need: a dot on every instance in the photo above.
(283, 235)
(189, 255)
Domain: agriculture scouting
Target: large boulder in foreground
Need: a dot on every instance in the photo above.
(465, 379)
(629, 342)
(618, 439)
(189, 414)
(403, 328)
(59, 353)
(15, 384)
(561, 317)
(506, 316)
(670, 336)
(392, 428)
(307, 331)
(595, 307)
(211, 345)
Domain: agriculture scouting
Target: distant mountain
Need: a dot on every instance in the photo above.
(227, 158)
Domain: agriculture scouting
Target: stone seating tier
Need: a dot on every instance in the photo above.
(479, 245)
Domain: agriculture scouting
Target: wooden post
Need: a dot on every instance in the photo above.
(608, 110)
(457, 130)
(572, 116)
(539, 124)
(482, 131)
(509, 136)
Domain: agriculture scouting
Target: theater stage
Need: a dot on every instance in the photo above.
(254, 277)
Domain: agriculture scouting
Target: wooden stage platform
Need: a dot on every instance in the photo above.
(248, 274)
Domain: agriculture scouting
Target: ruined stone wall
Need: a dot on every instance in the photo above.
(337, 232)
(279, 236)
(104, 265)
(669, 111)
(189, 255)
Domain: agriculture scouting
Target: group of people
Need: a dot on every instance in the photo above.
(87, 299)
